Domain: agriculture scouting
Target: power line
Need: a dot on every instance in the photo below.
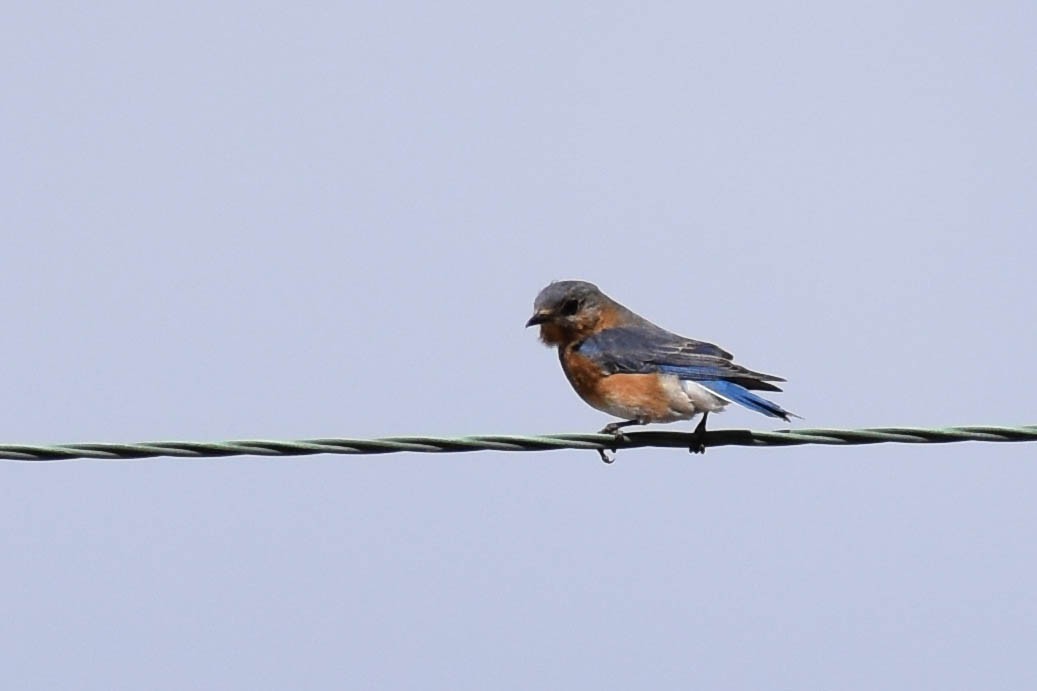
(548, 442)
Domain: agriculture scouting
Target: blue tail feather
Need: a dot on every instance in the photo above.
(743, 396)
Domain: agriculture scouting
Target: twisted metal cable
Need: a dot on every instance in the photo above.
(548, 442)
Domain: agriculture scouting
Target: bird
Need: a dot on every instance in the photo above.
(622, 364)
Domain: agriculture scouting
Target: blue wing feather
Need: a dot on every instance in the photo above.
(642, 349)
(699, 373)
(742, 396)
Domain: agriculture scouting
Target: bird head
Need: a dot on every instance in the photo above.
(567, 310)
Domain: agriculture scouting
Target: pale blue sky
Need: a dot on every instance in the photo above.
(242, 220)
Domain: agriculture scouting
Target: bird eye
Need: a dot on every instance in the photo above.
(570, 307)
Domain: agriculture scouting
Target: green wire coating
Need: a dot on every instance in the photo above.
(549, 442)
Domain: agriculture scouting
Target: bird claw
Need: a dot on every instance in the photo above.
(612, 428)
(698, 442)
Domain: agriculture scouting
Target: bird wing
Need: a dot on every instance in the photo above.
(638, 349)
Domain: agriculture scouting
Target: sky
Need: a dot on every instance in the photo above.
(262, 220)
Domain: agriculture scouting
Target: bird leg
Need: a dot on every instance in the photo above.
(698, 443)
(613, 429)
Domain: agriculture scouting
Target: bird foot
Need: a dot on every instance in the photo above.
(612, 428)
(698, 441)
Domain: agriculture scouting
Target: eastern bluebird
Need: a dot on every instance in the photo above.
(624, 365)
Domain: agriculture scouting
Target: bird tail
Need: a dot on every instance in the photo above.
(736, 393)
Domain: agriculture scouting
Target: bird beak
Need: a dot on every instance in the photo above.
(538, 318)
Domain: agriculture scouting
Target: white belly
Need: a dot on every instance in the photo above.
(683, 401)
(704, 400)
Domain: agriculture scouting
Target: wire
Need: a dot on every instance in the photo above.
(549, 442)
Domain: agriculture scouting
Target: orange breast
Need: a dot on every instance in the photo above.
(640, 396)
(630, 396)
(585, 376)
